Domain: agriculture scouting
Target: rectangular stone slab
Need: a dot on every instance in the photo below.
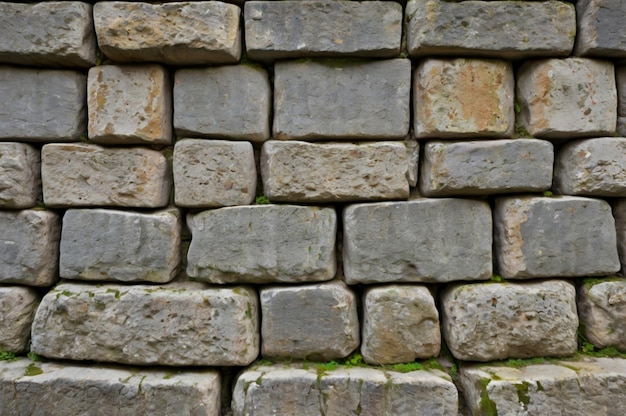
(20, 177)
(601, 30)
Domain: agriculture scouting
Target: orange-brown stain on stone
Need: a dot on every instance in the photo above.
(541, 100)
(477, 87)
(154, 103)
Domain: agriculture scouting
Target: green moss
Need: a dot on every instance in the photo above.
(249, 311)
(115, 292)
(7, 356)
(407, 367)
(520, 132)
(522, 393)
(32, 370)
(590, 282)
(487, 406)
(262, 200)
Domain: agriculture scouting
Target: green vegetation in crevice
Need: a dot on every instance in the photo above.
(262, 200)
(7, 356)
(588, 283)
(487, 406)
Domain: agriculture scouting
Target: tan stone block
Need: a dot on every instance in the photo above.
(17, 310)
(20, 180)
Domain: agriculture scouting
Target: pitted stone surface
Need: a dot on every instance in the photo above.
(20, 178)
(422, 240)
(600, 28)
(602, 311)
(180, 324)
(296, 171)
(17, 310)
(619, 212)
(494, 321)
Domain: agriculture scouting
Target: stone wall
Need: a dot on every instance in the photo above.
(312, 208)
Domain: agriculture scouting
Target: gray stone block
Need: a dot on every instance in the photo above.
(17, 310)
(619, 212)
(422, 240)
(333, 99)
(20, 178)
(602, 312)
(263, 243)
(600, 28)
(554, 237)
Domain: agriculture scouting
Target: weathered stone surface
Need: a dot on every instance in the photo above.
(313, 322)
(129, 105)
(297, 171)
(279, 30)
(331, 99)
(554, 237)
(619, 212)
(620, 78)
(400, 324)
(510, 30)
(460, 98)
(213, 173)
(178, 33)
(183, 323)
(90, 175)
(486, 167)
(600, 28)
(494, 321)
(263, 243)
(228, 101)
(42, 105)
(29, 247)
(422, 240)
(17, 309)
(101, 244)
(567, 98)
(20, 180)
(54, 33)
(602, 311)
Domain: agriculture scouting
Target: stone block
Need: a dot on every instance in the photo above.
(20, 178)
(102, 244)
(619, 212)
(567, 98)
(213, 173)
(178, 33)
(486, 167)
(602, 312)
(620, 79)
(89, 175)
(600, 28)
(29, 247)
(565, 236)
(17, 310)
(231, 102)
(333, 99)
(129, 105)
(42, 105)
(461, 98)
(263, 243)
(296, 171)
(312, 322)
(494, 321)
(180, 324)
(421, 240)
(400, 324)
(279, 30)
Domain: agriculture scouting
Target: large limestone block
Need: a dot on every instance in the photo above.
(313, 322)
(20, 178)
(279, 30)
(554, 237)
(213, 173)
(602, 311)
(102, 244)
(297, 171)
(400, 324)
(42, 105)
(422, 240)
(263, 243)
(460, 98)
(600, 28)
(619, 212)
(494, 321)
(567, 98)
(29, 247)
(486, 167)
(89, 175)
(232, 102)
(17, 310)
(177, 33)
(332, 99)
(183, 323)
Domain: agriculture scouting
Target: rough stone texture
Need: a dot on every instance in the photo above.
(213, 173)
(20, 180)
(400, 323)
(87, 175)
(567, 98)
(510, 30)
(178, 33)
(620, 78)
(17, 309)
(333, 99)
(594, 167)
(602, 311)
(313, 322)
(279, 30)
(56, 33)
(101, 244)
(422, 240)
(297, 171)
(129, 105)
(494, 321)
(486, 167)
(263, 243)
(554, 237)
(229, 101)
(42, 105)
(183, 323)
(29, 247)
(600, 28)
(619, 212)
(460, 98)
